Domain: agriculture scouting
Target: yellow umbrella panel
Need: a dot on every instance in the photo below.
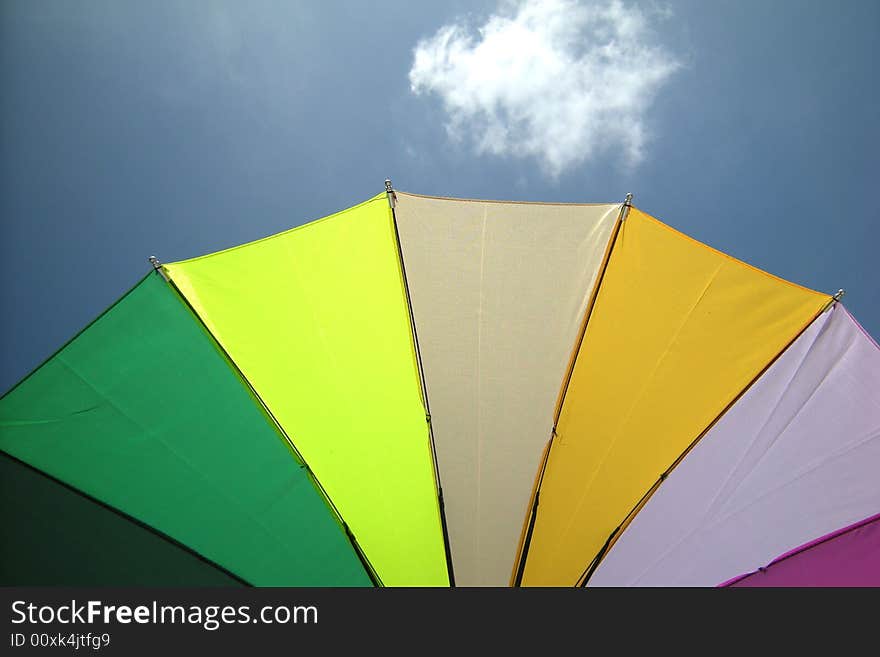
(316, 319)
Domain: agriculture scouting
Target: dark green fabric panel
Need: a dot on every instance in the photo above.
(142, 412)
(52, 536)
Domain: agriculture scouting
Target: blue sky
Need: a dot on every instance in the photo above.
(179, 128)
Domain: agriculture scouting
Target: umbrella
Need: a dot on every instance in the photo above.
(423, 391)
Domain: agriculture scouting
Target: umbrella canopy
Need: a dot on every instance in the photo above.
(847, 557)
(422, 391)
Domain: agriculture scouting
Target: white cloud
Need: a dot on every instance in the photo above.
(558, 80)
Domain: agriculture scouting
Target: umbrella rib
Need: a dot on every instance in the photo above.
(533, 515)
(588, 311)
(806, 547)
(612, 538)
(447, 548)
(365, 562)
